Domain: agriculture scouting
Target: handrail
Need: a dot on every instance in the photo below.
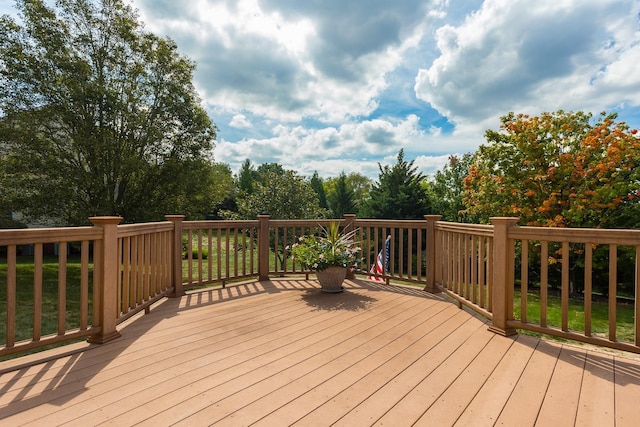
(571, 249)
(480, 270)
(43, 246)
(110, 272)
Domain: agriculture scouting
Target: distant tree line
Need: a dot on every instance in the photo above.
(99, 117)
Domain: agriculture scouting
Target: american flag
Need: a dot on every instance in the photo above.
(378, 267)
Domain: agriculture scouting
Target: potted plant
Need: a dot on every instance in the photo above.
(329, 255)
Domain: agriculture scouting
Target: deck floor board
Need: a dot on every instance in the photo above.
(283, 353)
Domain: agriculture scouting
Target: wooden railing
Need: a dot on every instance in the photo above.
(487, 268)
(402, 258)
(219, 251)
(106, 273)
(36, 243)
(145, 264)
(573, 248)
(464, 263)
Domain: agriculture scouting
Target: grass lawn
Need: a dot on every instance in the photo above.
(24, 295)
(25, 274)
(238, 254)
(599, 315)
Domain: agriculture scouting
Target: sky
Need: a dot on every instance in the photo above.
(342, 85)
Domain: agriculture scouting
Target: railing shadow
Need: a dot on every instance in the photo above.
(57, 381)
(623, 369)
(48, 383)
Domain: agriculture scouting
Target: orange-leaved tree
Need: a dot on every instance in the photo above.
(557, 169)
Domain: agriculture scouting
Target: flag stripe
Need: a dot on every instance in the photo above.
(378, 267)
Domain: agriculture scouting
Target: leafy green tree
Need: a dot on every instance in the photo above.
(445, 191)
(398, 194)
(557, 169)
(266, 170)
(222, 190)
(317, 184)
(214, 180)
(97, 116)
(341, 199)
(282, 196)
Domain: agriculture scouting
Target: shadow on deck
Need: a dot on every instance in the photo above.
(281, 352)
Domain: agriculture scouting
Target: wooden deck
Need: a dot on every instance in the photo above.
(281, 352)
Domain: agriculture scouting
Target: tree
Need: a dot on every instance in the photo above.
(282, 196)
(398, 194)
(445, 191)
(97, 117)
(317, 184)
(246, 176)
(214, 181)
(222, 189)
(558, 170)
(357, 183)
(341, 199)
(266, 169)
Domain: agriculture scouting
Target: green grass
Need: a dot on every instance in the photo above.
(599, 315)
(24, 288)
(213, 254)
(24, 295)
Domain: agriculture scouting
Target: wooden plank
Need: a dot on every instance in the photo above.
(209, 385)
(596, 403)
(129, 356)
(137, 378)
(375, 401)
(454, 400)
(523, 405)
(627, 391)
(258, 352)
(423, 395)
(303, 394)
(489, 401)
(561, 401)
(327, 402)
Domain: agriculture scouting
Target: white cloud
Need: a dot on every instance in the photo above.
(287, 60)
(352, 147)
(240, 121)
(429, 165)
(533, 56)
(338, 85)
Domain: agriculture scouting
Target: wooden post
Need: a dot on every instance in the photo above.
(349, 219)
(263, 247)
(176, 255)
(503, 275)
(106, 268)
(432, 255)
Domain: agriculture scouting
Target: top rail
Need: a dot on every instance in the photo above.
(48, 235)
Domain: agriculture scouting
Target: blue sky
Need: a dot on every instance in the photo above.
(342, 85)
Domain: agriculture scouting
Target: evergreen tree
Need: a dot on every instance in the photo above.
(398, 194)
(341, 199)
(317, 184)
(246, 177)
